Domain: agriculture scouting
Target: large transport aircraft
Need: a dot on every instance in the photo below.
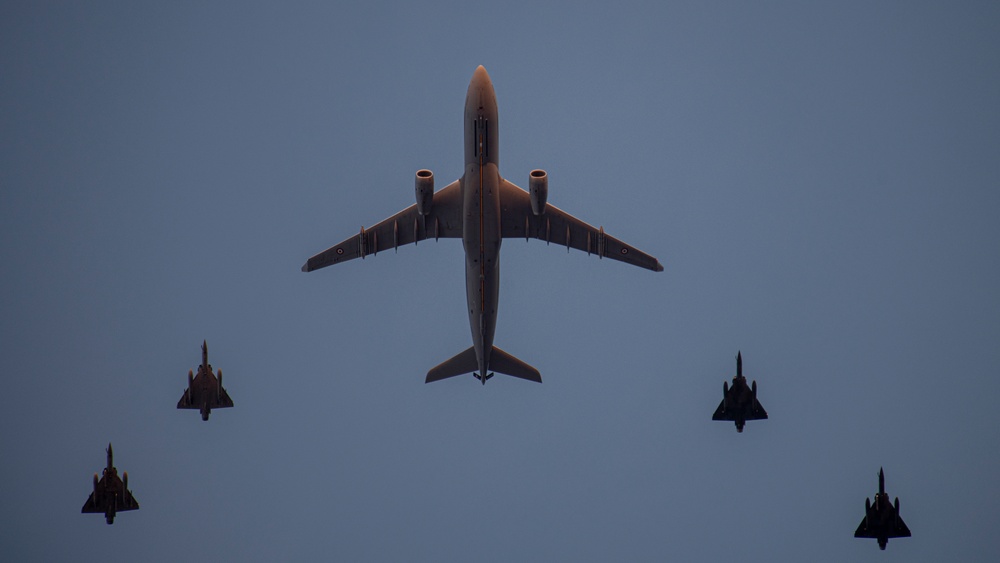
(482, 208)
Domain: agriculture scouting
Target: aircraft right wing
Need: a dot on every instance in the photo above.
(444, 221)
(558, 227)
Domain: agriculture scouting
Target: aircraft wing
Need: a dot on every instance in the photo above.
(444, 221)
(558, 227)
(191, 398)
(757, 412)
(720, 414)
(224, 400)
(863, 531)
(99, 502)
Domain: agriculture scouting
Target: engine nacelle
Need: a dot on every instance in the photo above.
(425, 191)
(538, 187)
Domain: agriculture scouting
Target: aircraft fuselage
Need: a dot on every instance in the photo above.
(481, 235)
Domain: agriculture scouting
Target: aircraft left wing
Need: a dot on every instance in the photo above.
(558, 227)
(444, 221)
(719, 413)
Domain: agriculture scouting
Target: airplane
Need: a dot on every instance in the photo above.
(204, 391)
(111, 494)
(739, 402)
(882, 519)
(482, 208)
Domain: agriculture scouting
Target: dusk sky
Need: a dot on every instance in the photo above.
(821, 182)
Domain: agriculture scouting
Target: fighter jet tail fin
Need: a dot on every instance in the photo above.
(502, 362)
(460, 364)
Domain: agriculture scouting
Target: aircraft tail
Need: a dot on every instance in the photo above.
(502, 362)
(461, 364)
(466, 362)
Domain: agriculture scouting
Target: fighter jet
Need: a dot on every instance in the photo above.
(882, 519)
(111, 494)
(739, 403)
(482, 208)
(204, 391)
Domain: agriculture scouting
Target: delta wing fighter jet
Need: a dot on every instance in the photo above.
(482, 208)
(882, 519)
(204, 391)
(739, 402)
(111, 494)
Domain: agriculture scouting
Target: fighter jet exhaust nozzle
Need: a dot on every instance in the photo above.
(425, 191)
(538, 187)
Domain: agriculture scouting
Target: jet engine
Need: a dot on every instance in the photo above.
(425, 191)
(538, 187)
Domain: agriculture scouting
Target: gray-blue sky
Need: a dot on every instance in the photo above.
(821, 183)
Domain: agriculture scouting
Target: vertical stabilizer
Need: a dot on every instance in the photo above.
(881, 482)
(204, 354)
(739, 364)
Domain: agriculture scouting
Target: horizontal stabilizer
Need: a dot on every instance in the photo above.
(464, 362)
(502, 362)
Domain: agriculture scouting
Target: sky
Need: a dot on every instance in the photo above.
(821, 182)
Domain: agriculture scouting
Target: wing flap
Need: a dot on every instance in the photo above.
(555, 226)
(405, 227)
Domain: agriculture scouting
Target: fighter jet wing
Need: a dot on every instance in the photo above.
(444, 221)
(721, 414)
(191, 398)
(757, 412)
(558, 227)
(99, 502)
(224, 400)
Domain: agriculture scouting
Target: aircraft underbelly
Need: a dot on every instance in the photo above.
(481, 238)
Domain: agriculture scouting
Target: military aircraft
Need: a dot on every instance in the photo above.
(111, 494)
(482, 208)
(882, 519)
(739, 402)
(204, 391)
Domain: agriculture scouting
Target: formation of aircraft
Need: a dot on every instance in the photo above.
(204, 391)
(482, 208)
(111, 494)
(739, 402)
(882, 520)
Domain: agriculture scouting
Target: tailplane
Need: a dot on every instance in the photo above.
(502, 362)
(466, 362)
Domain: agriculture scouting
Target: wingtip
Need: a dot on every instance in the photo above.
(659, 267)
(305, 267)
